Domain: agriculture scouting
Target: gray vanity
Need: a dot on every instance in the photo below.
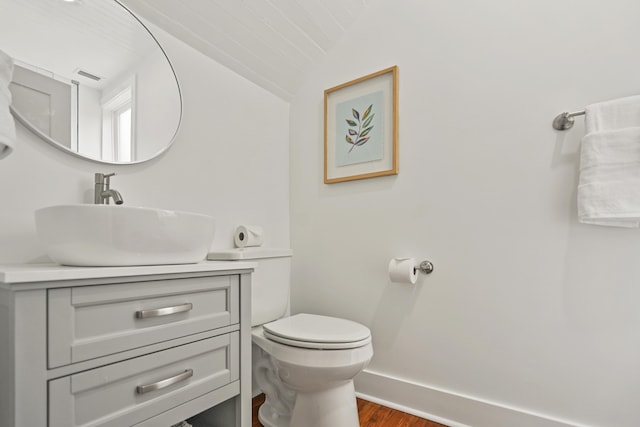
(124, 346)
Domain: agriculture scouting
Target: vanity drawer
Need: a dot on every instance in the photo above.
(92, 321)
(129, 392)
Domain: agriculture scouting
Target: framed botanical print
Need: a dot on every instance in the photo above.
(361, 128)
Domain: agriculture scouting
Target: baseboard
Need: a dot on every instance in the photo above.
(446, 407)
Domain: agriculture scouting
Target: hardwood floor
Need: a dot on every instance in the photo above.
(371, 415)
(257, 401)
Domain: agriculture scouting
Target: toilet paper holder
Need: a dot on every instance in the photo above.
(425, 267)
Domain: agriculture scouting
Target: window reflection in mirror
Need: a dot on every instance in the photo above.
(118, 123)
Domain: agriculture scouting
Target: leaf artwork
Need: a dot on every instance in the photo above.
(359, 128)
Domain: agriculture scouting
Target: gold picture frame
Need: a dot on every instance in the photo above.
(361, 128)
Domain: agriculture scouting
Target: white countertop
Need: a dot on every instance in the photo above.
(27, 273)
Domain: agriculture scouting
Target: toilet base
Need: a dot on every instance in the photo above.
(269, 417)
(333, 407)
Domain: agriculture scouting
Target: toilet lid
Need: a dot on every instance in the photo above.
(318, 332)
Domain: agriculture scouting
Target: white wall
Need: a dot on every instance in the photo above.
(530, 318)
(230, 160)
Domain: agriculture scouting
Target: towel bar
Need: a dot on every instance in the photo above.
(564, 121)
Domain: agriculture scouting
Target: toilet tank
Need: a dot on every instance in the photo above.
(270, 282)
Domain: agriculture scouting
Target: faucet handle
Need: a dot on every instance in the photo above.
(100, 177)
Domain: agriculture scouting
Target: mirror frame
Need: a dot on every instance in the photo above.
(24, 122)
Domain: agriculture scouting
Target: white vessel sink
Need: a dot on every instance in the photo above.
(111, 235)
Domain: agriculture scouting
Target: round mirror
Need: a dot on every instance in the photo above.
(90, 79)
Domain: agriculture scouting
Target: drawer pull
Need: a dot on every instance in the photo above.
(142, 389)
(145, 314)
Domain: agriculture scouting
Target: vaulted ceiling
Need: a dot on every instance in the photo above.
(273, 43)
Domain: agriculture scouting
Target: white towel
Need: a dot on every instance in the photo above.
(615, 114)
(609, 186)
(7, 125)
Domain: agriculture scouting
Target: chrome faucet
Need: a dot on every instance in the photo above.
(102, 192)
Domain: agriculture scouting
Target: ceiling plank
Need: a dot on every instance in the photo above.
(274, 43)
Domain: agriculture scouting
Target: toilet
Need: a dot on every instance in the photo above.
(304, 363)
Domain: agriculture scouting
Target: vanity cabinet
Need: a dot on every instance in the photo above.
(125, 346)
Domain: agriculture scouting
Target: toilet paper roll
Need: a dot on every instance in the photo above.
(248, 235)
(403, 270)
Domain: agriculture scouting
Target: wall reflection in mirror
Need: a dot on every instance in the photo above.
(90, 78)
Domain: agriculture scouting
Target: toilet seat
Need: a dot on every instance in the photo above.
(317, 332)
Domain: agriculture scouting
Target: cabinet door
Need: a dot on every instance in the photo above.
(93, 321)
(129, 392)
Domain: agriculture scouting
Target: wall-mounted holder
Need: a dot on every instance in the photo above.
(425, 267)
(564, 121)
